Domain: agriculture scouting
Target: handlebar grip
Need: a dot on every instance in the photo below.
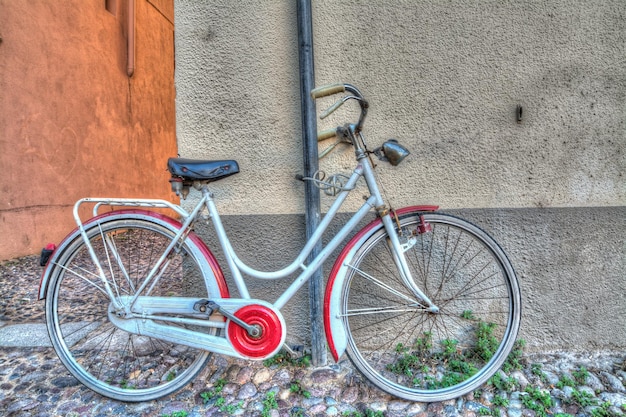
(327, 90)
(326, 134)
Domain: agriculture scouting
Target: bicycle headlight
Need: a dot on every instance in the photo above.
(392, 152)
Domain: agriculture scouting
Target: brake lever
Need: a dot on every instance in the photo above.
(337, 104)
(343, 136)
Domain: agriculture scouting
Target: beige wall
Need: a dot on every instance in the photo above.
(72, 123)
(445, 79)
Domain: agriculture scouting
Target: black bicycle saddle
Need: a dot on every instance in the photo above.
(201, 170)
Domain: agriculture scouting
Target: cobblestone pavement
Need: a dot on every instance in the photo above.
(34, 383)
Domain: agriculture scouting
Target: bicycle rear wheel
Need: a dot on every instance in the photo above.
(113, 362)
(431, 356)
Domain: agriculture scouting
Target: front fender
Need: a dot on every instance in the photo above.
(140, 214)
(333, 324)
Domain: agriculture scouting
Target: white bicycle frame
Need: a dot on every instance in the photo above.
(238, 267)
(125, 307)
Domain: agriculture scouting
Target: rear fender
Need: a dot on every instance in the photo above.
(163, 220)
(333, 323)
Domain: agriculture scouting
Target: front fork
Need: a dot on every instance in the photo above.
(397, 250)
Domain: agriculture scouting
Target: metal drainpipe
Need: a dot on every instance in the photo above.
(312, 211)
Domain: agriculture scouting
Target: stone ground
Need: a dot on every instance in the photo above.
(33, 382)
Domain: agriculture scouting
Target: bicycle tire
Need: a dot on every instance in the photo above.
(113, 362)
(431, 356)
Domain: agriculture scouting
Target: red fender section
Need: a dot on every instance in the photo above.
(340, 260)
(206, 252)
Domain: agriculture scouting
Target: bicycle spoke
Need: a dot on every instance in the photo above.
(112, 247)
(385, 286)
(425, 355)
(108, 359)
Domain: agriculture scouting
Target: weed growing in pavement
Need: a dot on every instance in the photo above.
(284, 358)
(181, 413)
(604, 410)
(565, 381)
(420, 360)
(581, 375)
(514, 360)
(583, 398)
(500, 401)
(507, 384)
(537, 400)
(214, 395)
(296, 388)
(227, 408)
(536, 370)
(207, 396)
(269, 404)
(367, 413)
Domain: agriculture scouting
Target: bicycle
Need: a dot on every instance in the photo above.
(425, 304)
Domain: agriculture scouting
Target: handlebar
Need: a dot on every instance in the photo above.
(326, 134)
(327, 90)
(331, 89)
(391, 151)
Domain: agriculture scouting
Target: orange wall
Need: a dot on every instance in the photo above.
(72, 122)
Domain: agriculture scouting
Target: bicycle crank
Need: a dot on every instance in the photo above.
(209, 307)
(256, 331)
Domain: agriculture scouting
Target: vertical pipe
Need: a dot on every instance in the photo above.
(312, 212)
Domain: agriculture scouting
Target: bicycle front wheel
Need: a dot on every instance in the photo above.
(111, 361)
(427, 355)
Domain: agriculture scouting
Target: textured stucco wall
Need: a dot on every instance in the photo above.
(445, 79)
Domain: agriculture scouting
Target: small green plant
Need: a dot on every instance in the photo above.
(468, 315)
(538, 401)
(507, 384)
(486, 343)
(269, 404)
(218, 401)
(514, 360)
(231, 408)
(423, 345)
(565, 381)
(126, 385)
(296, 388)
(284, 358)
(220, 404)
(583, 398)
(536, 370)
(449, 348)
(581, 375)
(181, 413)
(604, 411)
(484, 411)
(500, 401)
(368, 413)
(207, 396)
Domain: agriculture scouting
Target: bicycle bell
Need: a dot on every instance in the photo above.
(392, 152)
